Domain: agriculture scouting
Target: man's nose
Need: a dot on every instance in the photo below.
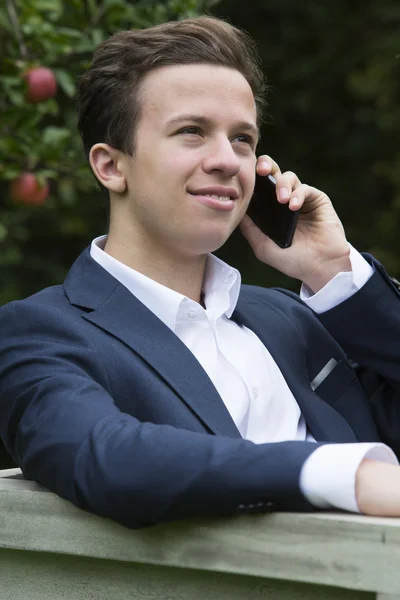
(221, 156)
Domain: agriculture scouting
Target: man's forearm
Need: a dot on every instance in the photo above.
(378, 488)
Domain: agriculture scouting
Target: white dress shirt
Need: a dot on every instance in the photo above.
(245, 374)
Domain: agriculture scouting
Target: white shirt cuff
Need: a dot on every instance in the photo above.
(341, 287)
(328, 477)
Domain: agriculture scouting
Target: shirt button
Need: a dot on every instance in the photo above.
(192, 314)
(256, 392)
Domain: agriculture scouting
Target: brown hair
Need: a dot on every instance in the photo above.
(108, 95)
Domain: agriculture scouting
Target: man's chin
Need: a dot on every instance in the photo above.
(208, 244)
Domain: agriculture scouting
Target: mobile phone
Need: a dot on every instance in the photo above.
(276, 220)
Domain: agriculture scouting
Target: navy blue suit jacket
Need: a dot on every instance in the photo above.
(103, 404)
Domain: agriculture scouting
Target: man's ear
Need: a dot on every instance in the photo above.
(107, 163)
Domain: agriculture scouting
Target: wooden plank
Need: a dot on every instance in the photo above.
(33, 576)
(350, 551)
(21, 485)
(10, 473)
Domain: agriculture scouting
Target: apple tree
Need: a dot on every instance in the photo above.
(50, 205)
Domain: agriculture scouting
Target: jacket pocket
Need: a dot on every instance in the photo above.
(333, 380)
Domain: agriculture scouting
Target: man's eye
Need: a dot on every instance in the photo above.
(243, 138)
(192, 130)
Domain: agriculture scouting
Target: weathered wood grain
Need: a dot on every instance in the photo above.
(342, 551)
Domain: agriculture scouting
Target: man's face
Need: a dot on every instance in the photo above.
(192, 174)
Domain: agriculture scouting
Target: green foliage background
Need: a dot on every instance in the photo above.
(38, 244)
(334, 118)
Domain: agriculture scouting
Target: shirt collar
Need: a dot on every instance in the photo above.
(221, 287)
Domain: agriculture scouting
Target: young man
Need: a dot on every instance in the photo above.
(151, 385)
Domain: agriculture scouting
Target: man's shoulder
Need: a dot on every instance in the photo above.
(51, 299)
(47, 306)
(48, 296)
(41, 323)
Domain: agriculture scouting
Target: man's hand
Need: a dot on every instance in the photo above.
(319, 250)
(378, 488)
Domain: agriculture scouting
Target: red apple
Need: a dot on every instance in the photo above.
(41, 84)
(27, 190)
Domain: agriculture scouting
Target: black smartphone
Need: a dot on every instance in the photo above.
(276, 220)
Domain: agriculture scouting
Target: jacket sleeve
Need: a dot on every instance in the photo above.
(367, 327)
(64, 430)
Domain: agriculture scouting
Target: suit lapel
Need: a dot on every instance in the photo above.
(110, 306)
(278, 334)
(115, 310)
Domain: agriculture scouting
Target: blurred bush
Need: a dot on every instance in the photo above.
(40, 238)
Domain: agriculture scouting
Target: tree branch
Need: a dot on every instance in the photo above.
(12, 13)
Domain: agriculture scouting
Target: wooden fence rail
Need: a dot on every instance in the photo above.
(50, 550)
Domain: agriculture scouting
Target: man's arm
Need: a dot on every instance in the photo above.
(64, 430)
(378, 489)
(367, 325)
(345, 459)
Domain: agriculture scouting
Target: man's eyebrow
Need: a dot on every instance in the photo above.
(241, 125)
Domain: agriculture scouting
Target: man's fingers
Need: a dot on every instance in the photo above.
(260, 243)
(286, 183)
(250, 231)
(267, 166)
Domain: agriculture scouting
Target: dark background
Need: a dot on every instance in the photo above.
(333, 114)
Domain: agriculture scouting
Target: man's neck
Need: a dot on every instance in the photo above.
(181, 274)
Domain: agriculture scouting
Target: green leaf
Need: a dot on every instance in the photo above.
(48, 5)
(66, 190)
(110, 3)
(16, 97)
(66, 82)
(55, 136)
(69, 33)
(3, 232)
(47, 174)
(11, 80)
(98, 36)
(9, 174)
(31, 121)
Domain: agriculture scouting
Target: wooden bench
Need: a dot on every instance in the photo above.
(50, 550)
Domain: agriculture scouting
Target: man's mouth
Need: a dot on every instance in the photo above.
(215, 201)
(219, 192)
(217, 197)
